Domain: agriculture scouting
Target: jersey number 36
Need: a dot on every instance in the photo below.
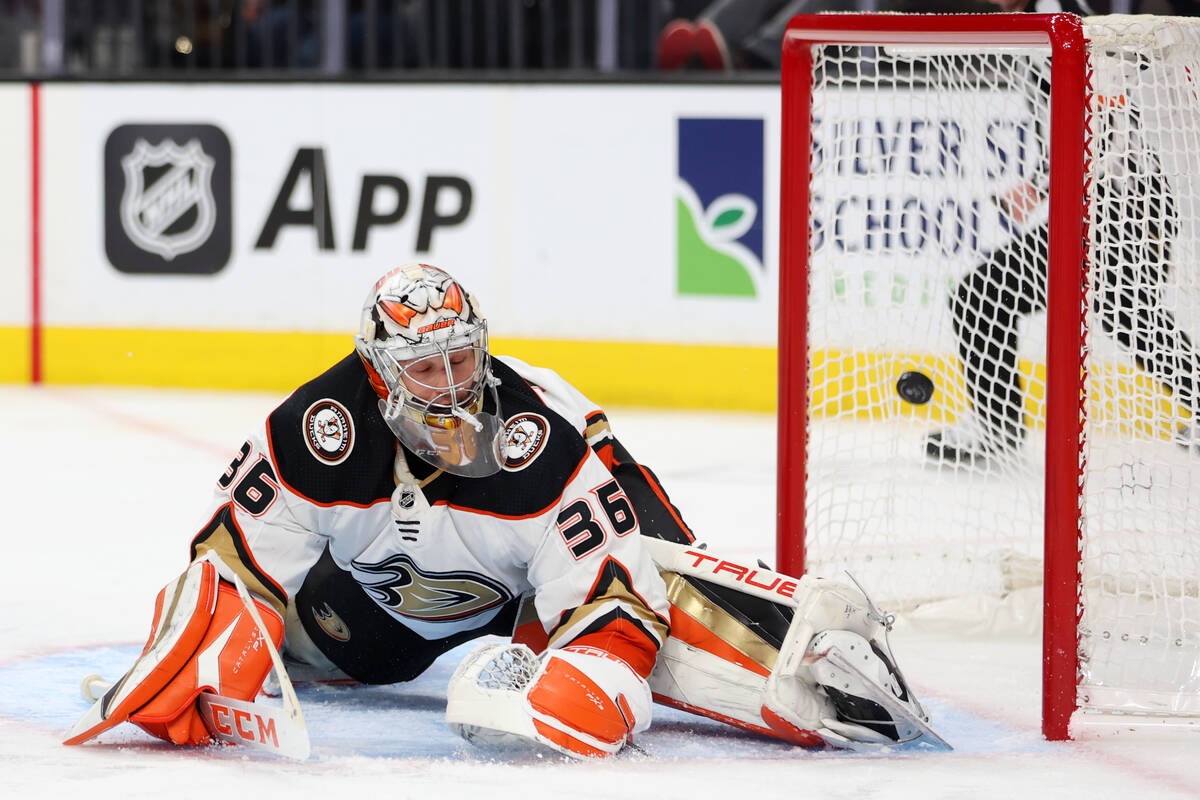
(581, 529)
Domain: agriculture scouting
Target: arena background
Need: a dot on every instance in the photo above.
(618, 220)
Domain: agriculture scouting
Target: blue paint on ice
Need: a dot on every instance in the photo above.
(406, 720)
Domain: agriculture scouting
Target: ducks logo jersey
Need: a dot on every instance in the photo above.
(325, 487)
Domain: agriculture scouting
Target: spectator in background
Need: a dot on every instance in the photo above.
(19, 37)
(280, 36)
(1079, 7)
(735, 34)
(495, 35)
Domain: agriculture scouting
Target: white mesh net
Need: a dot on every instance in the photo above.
(928, 206)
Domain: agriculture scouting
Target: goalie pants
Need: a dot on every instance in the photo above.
(369, 644)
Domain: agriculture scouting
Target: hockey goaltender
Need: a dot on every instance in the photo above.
(422, 493)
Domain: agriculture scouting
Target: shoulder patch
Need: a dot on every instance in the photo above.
(524, 437)
(328, 431)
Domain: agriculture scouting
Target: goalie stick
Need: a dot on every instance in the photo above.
(257, 725)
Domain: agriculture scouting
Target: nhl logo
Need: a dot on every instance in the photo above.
(167, 199)
(175, 212)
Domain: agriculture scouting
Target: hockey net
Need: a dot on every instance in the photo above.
(936, 200)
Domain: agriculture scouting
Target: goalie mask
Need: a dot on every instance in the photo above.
(424, 345)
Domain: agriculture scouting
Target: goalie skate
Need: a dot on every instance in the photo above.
(864, 703)
(969, 444)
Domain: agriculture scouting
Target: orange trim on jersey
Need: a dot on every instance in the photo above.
(814, 741)
(591, 595)
(593, 417)
(237, 531)
(642, 647)
(567, 741)
(207, 527)
(690, 631)
(535, 514)
(533, 387)
(532, 635)
(605, 452)
(657, 489)
(301, 495)
(624, 640)
(262, 574)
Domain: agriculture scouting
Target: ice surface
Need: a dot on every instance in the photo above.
(105, 487)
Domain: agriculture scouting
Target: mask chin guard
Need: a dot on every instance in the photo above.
(460, 442)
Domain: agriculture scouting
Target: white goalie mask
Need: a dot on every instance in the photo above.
(425, 348)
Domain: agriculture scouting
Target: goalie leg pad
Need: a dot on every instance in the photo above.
(231, 660)
(200, 639)
(725, 641)
(727, 657)
(182, 613)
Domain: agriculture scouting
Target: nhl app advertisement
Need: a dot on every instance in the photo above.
(264, 209)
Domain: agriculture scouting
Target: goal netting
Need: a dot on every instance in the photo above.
(1044, 277)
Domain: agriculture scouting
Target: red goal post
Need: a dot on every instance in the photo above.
(826, 392)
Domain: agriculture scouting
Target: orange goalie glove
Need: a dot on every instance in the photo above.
(202, 639)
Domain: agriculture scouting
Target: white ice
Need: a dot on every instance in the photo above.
(103, 489)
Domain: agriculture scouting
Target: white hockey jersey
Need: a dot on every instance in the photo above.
(325, 471)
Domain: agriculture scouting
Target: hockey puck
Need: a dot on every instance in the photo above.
(914, 387)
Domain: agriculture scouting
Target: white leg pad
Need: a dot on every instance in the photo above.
(703, 683)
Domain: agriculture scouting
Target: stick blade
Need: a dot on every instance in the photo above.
(256, 725)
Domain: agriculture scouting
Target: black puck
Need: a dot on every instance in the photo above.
(914, 387)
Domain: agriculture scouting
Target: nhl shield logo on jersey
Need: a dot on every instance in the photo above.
(331, 623)
(524, 436)
(328, 431)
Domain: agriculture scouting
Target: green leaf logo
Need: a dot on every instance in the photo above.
(728, 217)
(710, 260)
